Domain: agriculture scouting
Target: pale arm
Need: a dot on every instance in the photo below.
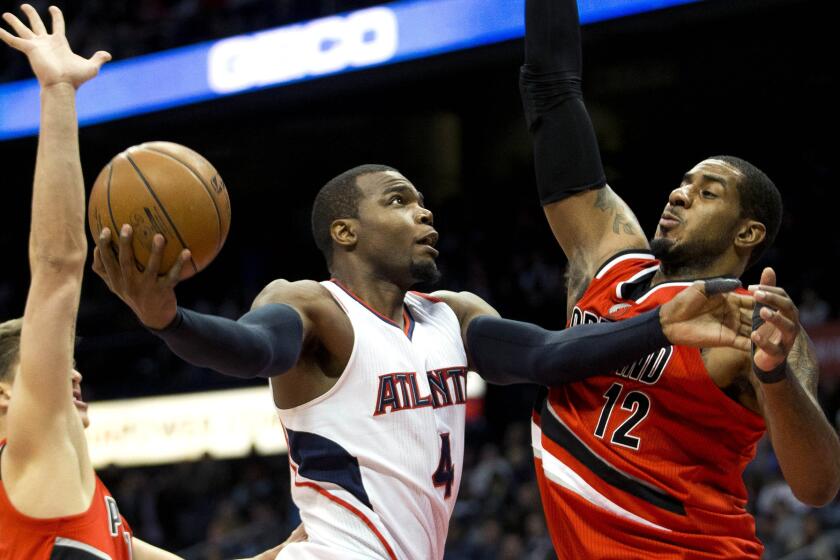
(42, 411)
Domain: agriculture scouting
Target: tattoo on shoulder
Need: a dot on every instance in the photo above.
(606, 201)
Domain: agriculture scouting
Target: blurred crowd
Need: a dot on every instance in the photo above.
(210, 510)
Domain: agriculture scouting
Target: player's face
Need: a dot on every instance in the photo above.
(396, 229)
(701, 218)
(81, 405)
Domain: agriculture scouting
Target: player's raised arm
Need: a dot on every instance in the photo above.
(42, 412)
(588, 219)
(504, 351)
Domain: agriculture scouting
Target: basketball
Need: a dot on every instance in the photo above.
(166, 188)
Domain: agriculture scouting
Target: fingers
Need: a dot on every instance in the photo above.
(35, 22)
(11, 40)
(719, 285)
(22, 31)
(765, 343)
(743, 342)
(107, 259)
(99, 58)
(127, 261)
(174, 274)
(768, 277)
(57, 21)
(156, 256)
(778, 320)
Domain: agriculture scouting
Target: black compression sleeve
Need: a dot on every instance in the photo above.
(264, 342)
(505, 352)
(566, 152)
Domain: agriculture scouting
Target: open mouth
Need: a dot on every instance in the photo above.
(429, 241)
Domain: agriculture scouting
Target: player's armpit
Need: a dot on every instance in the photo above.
(467, 307)
(593, 226)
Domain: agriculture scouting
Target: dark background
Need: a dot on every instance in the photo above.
(756, 79)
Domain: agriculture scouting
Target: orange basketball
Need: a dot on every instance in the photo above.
(166, 188)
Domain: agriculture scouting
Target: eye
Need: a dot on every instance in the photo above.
(398, 198)
(708, 194)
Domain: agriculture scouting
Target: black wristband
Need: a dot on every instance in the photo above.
(780, 372)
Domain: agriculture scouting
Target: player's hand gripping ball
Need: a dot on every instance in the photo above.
(166, 188)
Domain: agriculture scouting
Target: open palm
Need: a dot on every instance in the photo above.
(50, 55)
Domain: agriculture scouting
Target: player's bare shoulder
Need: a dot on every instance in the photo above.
(466, 305)
(322, 317)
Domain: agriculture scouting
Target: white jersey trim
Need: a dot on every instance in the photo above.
(626, 256)
(663, 285)
(633, 279)
(70, 543)
(562, 475)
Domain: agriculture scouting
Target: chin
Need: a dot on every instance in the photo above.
(425, 272)
(661, 247)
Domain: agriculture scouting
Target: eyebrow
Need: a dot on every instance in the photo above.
(404, 189)
(711, 177)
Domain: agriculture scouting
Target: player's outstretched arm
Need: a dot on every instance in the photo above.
(785, 373)
(505, 351)
(41, 418)
(588, 219)
(266, 341)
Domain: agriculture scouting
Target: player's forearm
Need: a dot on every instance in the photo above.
(57, 244)
(505, 352)
(262, 343)
(566, 153)
(806, 445)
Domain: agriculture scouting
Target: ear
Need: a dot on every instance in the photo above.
(344, 232)
(750, 234)
(5, 396)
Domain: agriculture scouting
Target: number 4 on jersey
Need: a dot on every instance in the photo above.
(445, 473)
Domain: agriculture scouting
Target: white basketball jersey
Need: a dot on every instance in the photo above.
(376, 461)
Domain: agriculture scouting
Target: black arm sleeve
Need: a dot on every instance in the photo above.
(264, 342)
(566, 154)
(505, 352)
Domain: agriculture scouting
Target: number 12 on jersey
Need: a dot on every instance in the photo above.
(635, 402)
(445, 473)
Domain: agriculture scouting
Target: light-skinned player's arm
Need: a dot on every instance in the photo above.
(504, 351)
(588, 219)
(46, 452)
(785, 373)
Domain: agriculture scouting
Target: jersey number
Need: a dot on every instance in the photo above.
(445, 473)
(635, 402)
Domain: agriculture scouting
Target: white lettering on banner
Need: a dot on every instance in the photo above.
(323, 46)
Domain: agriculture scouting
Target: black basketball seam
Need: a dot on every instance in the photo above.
(205, 185)
(162, 208)
(110, 210)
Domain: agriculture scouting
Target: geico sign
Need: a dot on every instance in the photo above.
(319, 47)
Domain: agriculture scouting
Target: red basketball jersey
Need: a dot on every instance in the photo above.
(99, 533)
(646, 462)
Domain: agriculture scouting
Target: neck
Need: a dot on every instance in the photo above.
(380, 293)
(720, 268)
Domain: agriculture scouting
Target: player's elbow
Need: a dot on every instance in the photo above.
(819, 492)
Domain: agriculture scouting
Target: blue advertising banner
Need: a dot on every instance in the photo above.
(397, 31)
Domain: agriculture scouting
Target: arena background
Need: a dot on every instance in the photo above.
(754, 78)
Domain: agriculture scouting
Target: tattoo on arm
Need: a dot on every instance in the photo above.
(803, 362)
(606, 201)
(577, 281)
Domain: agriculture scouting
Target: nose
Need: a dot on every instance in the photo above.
(680, 197)
(77, 377)
(425, 217)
